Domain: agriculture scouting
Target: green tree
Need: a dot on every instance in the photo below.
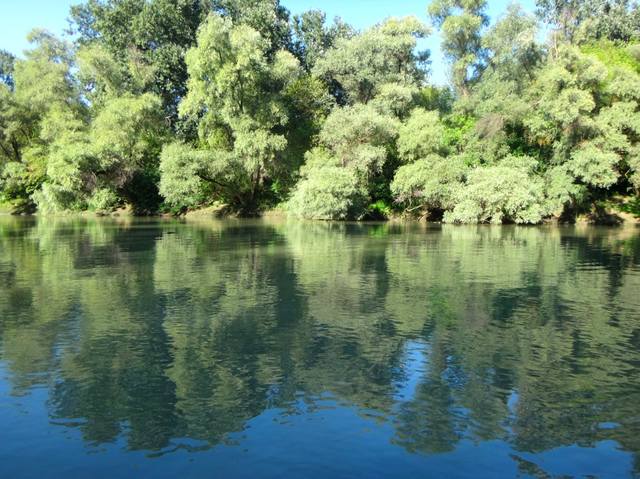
(357, 140)
(267, 17)
(313, 38)
(580, 20)
(34, 113)
(497, 194)
(461, 23)
(236, 96)
(151, 36)
(359, 66)
(586, 129)
(111, 162)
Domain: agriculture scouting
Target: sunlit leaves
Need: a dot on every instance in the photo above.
(384, 54)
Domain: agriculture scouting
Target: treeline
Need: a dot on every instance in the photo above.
(170, 105)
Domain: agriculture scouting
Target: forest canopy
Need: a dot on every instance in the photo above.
(172, 105)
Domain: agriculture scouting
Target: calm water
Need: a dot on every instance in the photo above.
(263, 350)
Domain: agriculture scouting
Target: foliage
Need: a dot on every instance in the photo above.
(312, 38)
(356, 139)
(147, 41)
(236, 93)
(461, 23)
(360, 65)
(42, 101)
(172, 105)
(329, 193)
(496, 194)
(583, 20)
(430, 183)
(421, 135)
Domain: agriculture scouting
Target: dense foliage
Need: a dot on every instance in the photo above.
(172, 105)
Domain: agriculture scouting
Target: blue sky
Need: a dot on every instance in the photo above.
(23, 15)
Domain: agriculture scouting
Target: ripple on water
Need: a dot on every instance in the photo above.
(266, 349)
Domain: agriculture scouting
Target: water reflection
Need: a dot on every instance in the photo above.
(168, 335)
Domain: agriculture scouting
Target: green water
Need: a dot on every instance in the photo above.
(286, 349)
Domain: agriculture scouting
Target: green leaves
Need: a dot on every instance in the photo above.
(329, 193)
(385, 54)
(497, 194)
(594, 165)
(128, 133)
(431, 183)
(583, 20)
(228, 101)
(182, 170)
(237, 95)
(422, 135)
(461, 23)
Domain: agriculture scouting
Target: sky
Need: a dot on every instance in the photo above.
(20, 16)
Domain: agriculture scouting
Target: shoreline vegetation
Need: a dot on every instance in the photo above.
(205, 108)
(610, 216)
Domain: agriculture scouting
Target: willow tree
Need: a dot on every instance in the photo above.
(579, 21)
(461, 23)
(107, 156)
(152, 35)
(340, 172)
(38, 104)
(268, 17)
(358, 67)
(236, 98)
(428, 178)
(378, 75)
(313, 38)
(586, 114)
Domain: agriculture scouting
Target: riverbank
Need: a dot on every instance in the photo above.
(612, 212)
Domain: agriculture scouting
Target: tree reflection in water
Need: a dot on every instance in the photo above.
(170, 334)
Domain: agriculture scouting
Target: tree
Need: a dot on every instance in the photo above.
(143, 36)
(359, 66)
(176, 104)
(113, 161)
(421, 135)
(585, 129)
(43, 96)
(499, 194)
(378, 74)
(429, 178)
(356, 139)
(580, 20)
(329, 193)
(430, 184)
(461, 23)
(511, 48)
(312, 38)
(236, 97)
(267, 17)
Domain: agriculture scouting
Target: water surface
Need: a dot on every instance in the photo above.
(261, 350)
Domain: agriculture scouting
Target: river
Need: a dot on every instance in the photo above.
(266, 349)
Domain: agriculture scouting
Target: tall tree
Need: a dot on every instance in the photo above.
(236, 96)
(313, 38)
(44, 97)
(152, 34)
(461, 23)
(359, 66)
(267, 17)
(583, 20)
